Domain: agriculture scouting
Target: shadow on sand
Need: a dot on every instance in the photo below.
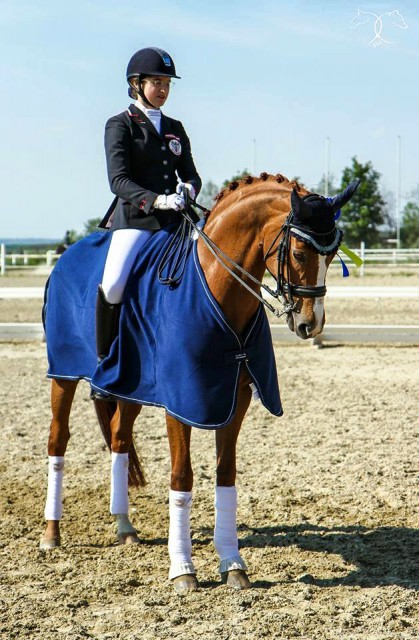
(382, 556)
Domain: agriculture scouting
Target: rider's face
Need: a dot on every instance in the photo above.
(156, 90)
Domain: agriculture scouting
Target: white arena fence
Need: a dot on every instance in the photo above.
(26, 261)
(408, 258)
(345, 333)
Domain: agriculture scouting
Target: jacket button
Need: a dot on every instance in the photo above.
(167, 190)
(166, 177)
(163, 148)
(164, 161)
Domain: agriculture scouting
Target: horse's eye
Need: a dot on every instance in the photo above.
(299, 256)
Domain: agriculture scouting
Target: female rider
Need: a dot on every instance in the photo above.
(149, 163)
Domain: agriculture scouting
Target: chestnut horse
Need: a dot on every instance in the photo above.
(265, 223)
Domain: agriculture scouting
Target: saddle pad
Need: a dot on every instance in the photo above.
(175, 348)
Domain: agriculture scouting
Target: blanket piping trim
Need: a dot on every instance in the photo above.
(198, 425)
(60, 377)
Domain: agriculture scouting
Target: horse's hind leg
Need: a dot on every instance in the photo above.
(62, 395)
(122, 425)
(182, 571)
(232, 566)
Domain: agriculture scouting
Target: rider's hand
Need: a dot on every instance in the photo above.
(173, 201)
(188, 186)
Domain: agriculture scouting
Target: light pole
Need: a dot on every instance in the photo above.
(327, 168)
(399, 187)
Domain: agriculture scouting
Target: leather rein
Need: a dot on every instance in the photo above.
(285, 291)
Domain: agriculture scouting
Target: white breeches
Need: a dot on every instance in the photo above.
(123, 249)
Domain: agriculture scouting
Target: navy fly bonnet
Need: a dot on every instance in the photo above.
(313, 219)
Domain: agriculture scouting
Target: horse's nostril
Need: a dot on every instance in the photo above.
(304, 330)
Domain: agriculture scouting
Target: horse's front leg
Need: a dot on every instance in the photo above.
(232, 566)
(182, 571)
(122, 425)
(62, 395)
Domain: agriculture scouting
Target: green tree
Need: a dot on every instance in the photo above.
(365, 212)
(207, 194)
(239, 175)
(414, 196)
(71, 236)
(91, 225)
(409, 230)
(332, 188)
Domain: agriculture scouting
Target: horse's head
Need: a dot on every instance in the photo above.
(309, 241)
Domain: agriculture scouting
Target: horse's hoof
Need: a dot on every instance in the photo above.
(47, 543)
(237, 579)
(186, 583)
(128, 538)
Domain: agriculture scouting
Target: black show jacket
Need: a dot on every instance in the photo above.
(143, 164)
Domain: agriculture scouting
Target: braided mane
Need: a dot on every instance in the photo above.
(246, 180)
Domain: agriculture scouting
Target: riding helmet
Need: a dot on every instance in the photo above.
(151, 61)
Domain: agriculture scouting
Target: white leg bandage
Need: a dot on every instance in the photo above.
(119, 483)
(54, 505)
(225, 532)
(180, 546)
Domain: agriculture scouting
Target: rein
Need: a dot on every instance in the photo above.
(284, 291)
(217, 252)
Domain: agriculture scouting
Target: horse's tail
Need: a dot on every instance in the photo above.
(105, 410)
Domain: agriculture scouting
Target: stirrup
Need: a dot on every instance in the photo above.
(95, 394)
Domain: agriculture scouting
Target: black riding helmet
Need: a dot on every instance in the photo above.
(150, 61)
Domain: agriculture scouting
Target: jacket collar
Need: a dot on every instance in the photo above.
(139, 117)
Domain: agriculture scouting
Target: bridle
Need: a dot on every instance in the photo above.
(285, 292)
(284, 289)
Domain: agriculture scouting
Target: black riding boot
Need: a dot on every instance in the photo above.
(107, 321)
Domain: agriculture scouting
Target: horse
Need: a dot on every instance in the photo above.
(257, 224)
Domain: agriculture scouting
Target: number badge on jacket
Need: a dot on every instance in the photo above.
(174, 144)
(175, 147)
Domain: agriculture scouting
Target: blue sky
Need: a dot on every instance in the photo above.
(285, 75)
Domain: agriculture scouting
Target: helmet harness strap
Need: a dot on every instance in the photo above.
(140, 91)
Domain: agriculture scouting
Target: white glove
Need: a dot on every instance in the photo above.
(188, 186)
(173, 201)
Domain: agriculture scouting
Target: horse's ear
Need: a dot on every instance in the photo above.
(301, 210)
(342, 198)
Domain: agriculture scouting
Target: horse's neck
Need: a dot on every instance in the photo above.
(240, 231)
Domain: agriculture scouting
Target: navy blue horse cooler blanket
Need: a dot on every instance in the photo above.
(175, 348)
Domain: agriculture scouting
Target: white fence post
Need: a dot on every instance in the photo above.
(362, 256)
(2, 259)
